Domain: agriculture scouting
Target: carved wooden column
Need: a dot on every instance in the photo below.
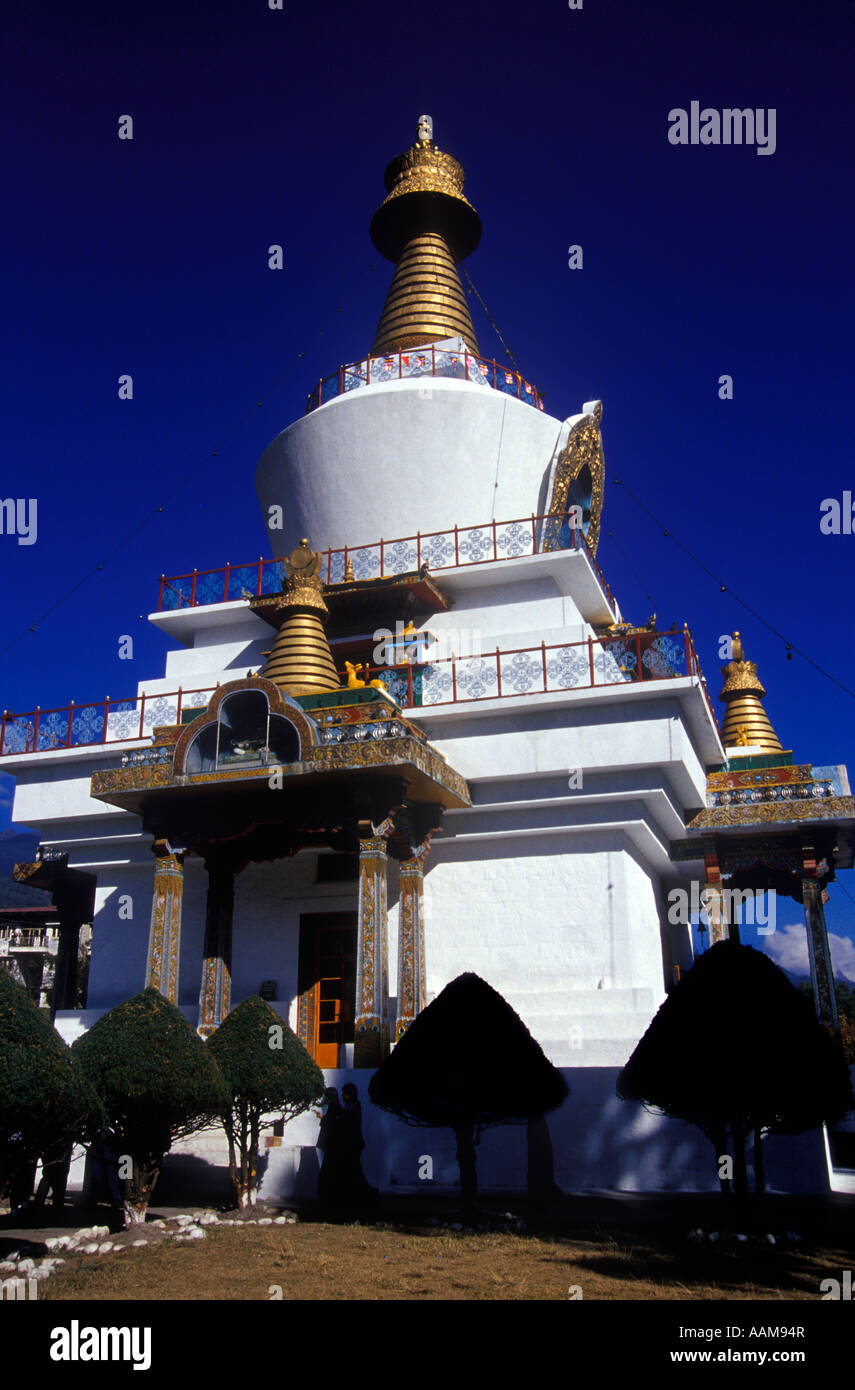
(821, 972)
(411, 940)
(371, 1031)
(164, 941)
(216, 987)
(720, 928)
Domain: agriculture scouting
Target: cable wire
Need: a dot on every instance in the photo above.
(636, 576)
(725, 588)
(492, 321)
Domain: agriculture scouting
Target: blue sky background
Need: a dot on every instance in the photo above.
(255, 127)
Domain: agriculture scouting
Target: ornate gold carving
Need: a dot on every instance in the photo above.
(822, 974)
(411, 939)
(425, 169)
(394, 750)
(371, 1031)
(374, 754)
(584, 449)
(167, 734)
(355, 681)
(216, 984)
(302, 570)
(164, 946)
(760, 776)
(775, 812)
(127, 779)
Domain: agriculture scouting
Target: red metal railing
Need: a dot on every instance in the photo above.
(606, 661)
(453, 548)
(609, 661)
(103, 721)
(416, 363)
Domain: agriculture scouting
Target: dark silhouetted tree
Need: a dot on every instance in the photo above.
(467, 1062)
(45, 1100)
(735, 1048)
(157, 1081)
(266, 1069)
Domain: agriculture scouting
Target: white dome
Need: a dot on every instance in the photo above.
(391, 459)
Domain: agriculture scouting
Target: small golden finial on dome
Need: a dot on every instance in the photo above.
(300, 661)
(424, 225)
(746, 723)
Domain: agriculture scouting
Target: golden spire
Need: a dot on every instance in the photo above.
(424, 225)
(746, 722)
(300, 661)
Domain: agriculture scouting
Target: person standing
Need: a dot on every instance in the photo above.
(54, 1177)
(329, 1143)
(356, 1190)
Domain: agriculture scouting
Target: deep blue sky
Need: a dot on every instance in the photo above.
(255, 126)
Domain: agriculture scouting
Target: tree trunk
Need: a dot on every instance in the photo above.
(243, 1142)
(234, 1170)
(253, 1158)
(759, 1165)
(465, 1135)
(137, 1190)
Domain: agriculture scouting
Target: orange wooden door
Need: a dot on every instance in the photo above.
(335, 988)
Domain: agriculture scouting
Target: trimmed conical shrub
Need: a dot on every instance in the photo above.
(736, 1048)
(45, 1099)
(265, 1068)
(467, 1061)
(157, 1082)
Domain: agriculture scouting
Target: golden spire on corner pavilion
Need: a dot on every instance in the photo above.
(746, 723)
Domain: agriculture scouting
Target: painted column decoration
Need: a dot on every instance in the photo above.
(371, 1032)
(216, 987)
(821, 973)
(411, 940)
(720, 929)
(164, 942)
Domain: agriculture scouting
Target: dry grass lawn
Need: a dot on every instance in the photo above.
(316, 1260)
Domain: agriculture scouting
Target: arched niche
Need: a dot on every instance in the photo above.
(576, 486)
(243, 730)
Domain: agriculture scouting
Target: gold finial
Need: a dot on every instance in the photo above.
(349, 576)
(300, 661)
(424, 225)
(746, 723)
